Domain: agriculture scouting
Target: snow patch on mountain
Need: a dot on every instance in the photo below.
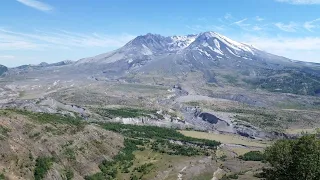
(229, 42)
(217, 44)
(205, 52)
(180, 42)
(209, 44)
(232, 52)
(218, 51)
(145, 50)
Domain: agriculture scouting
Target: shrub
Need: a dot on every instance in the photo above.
(252, 156)
(2, 177)
(294, 159)
(4, 131)
(69, 174)
(43, 165)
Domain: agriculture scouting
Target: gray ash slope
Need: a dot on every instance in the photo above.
(207, 53)
(184, 53)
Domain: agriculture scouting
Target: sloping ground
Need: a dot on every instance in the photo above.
(48, 146)
(51, 146)
(3, 69)
(225, 138)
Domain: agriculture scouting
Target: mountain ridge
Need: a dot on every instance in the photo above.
(211, 54)
(153, 44)
(217, 58)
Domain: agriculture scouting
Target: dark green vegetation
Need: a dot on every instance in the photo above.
(127, 112)
(43, 165)
(252, 156)
(3, 69)
(51, 118)
(294, 159)
(288, 81)
(69, 174)
(2, 177)
(70, 154)
(165, 146)
(75, 124)
(139, 138)
(153, 132)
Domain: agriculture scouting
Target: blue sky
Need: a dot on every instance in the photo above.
(34, 31)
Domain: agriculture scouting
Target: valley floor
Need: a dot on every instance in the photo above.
(68, 129)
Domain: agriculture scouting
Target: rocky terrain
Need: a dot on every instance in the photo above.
(203, 83)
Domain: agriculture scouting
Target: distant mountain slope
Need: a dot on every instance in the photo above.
(208, 44)
(25, 69)
(3, 69)
(44, 64)
(221, 61)
(178, 54)
(207, 53)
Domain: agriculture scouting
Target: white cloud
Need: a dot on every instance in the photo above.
(10, 42)
(37, 5)
(228, 16)
(300, 2)
(291, 27)
(241, 23)
(310, 25)
(304, 48)
(7, 57)
(13, 40)
(258, 18)
(256, 28)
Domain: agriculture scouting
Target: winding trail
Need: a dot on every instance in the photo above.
(216, 174)
(180, 173)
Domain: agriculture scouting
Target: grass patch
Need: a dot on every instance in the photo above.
(193, 103)
(4, 130)
(53, 119)
(70, 154)
(263, 118)
(144, 169)
(2, 177)
(153, 132)
(224, 138)
(150, 138)
(69, 174)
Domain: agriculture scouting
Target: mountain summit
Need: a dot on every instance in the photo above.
(181, 53)
(209, 44)
(210, 56)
